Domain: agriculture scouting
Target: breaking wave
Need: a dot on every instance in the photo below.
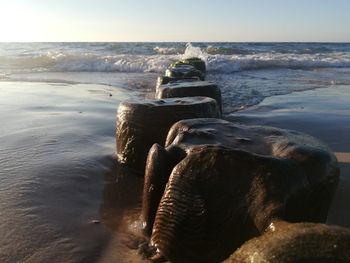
(223, 60)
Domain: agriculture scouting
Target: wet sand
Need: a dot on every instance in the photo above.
(64, 199)
(322, 113)
(59, 199)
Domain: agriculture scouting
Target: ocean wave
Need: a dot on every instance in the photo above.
(167, 50)
(66, 62)
(218, 63)
(234, 63)
(226, 50)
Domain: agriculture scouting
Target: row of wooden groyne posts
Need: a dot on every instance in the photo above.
(216, 190)
(181, 94)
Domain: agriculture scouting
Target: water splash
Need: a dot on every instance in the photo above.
(192, 51)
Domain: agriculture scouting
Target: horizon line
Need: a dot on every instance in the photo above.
(89, 41)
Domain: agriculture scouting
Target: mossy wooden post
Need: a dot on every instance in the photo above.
(141, 123)
(182, 89)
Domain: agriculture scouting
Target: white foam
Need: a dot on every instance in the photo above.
(192, 51)
(69, 61)
(234, 63)
(166, 50)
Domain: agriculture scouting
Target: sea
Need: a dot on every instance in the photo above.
(63, 197)
(246, 72)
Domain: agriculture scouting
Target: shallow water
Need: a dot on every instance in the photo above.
(246, 72)
(58, 173)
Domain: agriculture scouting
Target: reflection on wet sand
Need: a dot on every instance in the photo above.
(57, 142)
(120, 213)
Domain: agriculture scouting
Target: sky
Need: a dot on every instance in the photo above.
(176, 20)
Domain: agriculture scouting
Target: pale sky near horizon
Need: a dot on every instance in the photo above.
(176, 20)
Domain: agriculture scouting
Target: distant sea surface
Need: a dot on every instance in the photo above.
(246, 72)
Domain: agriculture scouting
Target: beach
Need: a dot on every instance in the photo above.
(61, 200)
(63, 197)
